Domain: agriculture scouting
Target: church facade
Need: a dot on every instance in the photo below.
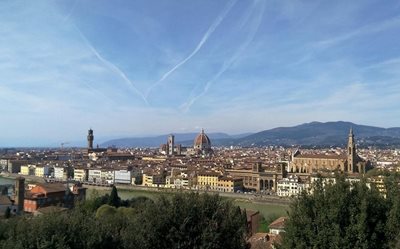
(348, 162)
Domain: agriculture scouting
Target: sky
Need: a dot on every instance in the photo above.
(150, 67)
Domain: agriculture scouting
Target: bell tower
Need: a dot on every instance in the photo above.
(90, 138)
(351, 152)
(171, 144)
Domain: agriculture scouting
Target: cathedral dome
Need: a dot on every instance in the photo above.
(202, 141)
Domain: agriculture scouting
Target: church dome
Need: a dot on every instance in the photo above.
(202, 141)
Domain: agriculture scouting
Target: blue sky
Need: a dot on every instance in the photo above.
(136, 68)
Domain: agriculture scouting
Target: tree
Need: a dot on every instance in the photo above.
(114, 199)
(178, 221)
(7, 213)
(105, 210)
(337, 215)
(393, 222)
(188, 221)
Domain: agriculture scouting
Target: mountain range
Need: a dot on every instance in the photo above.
(186, 139)
(317, 134)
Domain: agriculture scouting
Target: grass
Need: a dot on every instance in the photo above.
(263, 227)
(267, 210)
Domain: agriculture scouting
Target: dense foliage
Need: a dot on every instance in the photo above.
(345, 215)
(181, 221)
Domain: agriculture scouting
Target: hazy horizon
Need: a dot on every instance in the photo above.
(100, 138)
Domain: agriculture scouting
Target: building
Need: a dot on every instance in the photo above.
(202, 144)
(81, 174)
(208, 180)
(107, 176)
(28, 170)
(90, 148)
(379, 183)
(230, 184)
(264, 241)
(147, 180)
(170, 148)
(42, 171)
(123, 176)
(171, 145)
(291, 186)
(259, 178)
(12, 165)
(278, 225)
(62, 172)
(90, 138)
(94, 175)
(178, 182)
(154, 180)
(269, 240)
(349, 162)
(48, 194)
(330, 179)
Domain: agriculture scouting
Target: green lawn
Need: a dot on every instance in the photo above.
(266, 209)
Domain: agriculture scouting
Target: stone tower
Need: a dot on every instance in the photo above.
(351, 152)
(90, 138)
(171, 144)
(257, 165)
(19, 194)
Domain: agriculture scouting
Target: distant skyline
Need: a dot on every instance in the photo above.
(140, 68)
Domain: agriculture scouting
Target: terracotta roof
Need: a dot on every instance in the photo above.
(202, 138)
(322, 156)
(264, 240)
(208, 173)
(53, 187)
(278, 223)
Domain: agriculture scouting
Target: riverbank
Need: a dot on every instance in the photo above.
(267, 207)
(270, 199)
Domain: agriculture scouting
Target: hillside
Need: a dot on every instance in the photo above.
(308, 134)
(323, 134)
(185, 139)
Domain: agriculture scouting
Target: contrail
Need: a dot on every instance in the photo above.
(112, 67)
(227, 64)
(70, 12)
(210, 30)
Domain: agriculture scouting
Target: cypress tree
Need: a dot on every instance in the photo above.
(114, 199)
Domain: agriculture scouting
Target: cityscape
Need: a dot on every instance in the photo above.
(200, 124)
(267, 175)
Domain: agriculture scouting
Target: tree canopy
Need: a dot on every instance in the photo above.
(181, 221)
(344, 215)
